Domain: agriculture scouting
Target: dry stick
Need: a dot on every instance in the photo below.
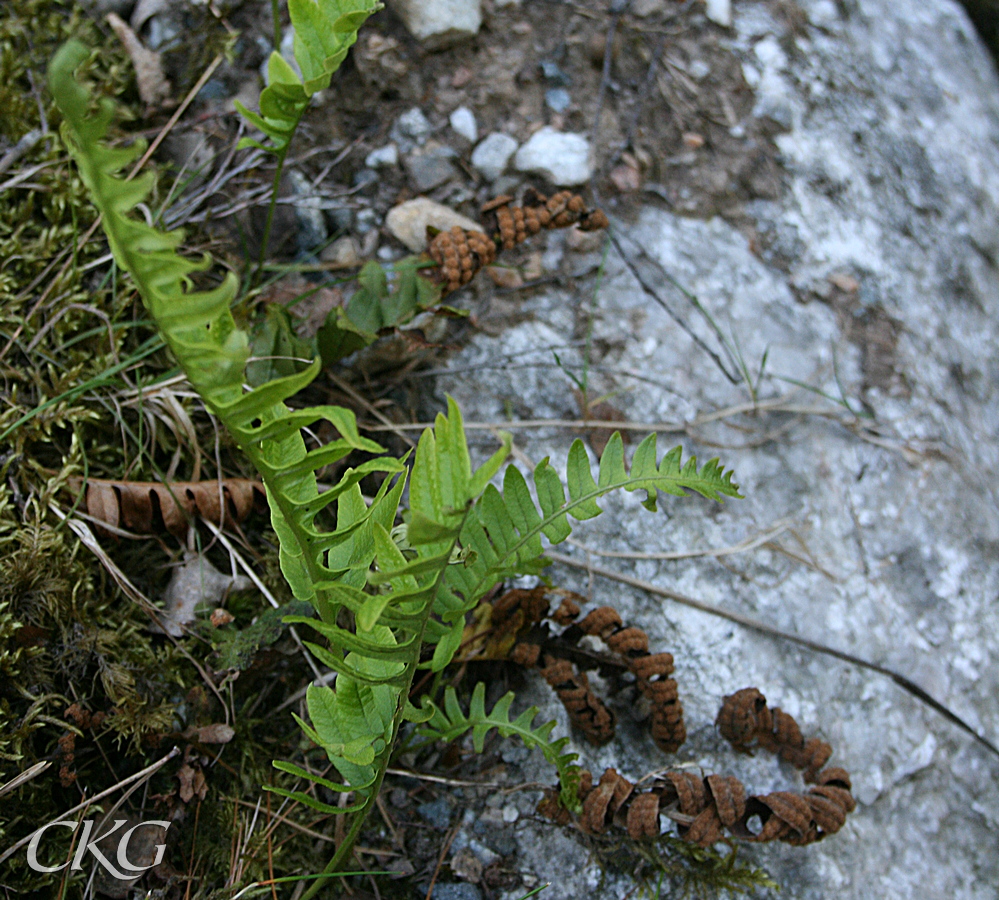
(652, 291)
(144, 773)
(387, 423)
(746, 621)
(440, 859)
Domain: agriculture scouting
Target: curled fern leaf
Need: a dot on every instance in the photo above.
(450, 723)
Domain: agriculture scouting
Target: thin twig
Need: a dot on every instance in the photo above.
(749, 543)
(24, 777)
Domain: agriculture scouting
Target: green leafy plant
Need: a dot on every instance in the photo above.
(391, 598)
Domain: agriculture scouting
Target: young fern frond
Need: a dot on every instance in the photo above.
(450, 723)
(324, 31)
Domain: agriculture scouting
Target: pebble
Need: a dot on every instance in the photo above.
(408, 221)
(565, 159)
(460, 890)
(553, 73)
(411, 128)
(340, 218)
(343, 253)
(557, 99)
(367, 219)
(439, 23)
(486, 855)
(430, 168)
(699, 69)
(510, 813)
(383, 157)
(437, 813)
(719, 11)
(463, 122)
(466, 866)
(492, 156)
(644, 8)
(311, 221)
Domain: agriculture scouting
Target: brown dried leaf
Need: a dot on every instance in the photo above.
(218, 733)
(154, 89)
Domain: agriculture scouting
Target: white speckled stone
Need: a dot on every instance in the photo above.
(563, 158)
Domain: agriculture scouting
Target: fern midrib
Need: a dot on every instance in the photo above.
(287, 509)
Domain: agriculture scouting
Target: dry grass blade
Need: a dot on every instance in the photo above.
(24, 777)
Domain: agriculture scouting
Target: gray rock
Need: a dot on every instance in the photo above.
(437, 812)
(343, 253)
(439, 23)
(340, 218)
(493, 155)
(557, 99)
(408, 221)
(893, 180)
(564, 159)
(411, 129)
(644, 8)
(309, 213)
(463, 122)
(430, 168)
(367, 220)
(386, 157)
(454, 891)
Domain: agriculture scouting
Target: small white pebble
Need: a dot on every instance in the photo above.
(463, 122)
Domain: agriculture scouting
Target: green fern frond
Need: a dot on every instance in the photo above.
(324, 32)
(450, 723)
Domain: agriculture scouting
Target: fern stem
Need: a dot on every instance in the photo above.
(276, 18)
(272, 206)
(346, 847)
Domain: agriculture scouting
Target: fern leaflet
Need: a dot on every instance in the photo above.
(450, 723)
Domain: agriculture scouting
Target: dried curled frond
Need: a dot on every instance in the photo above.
(712, 808)
(603, 802)
(148, 507)
(745, 720)
(518, 618)
(459, 254)
(652, 674)
(586, 710)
